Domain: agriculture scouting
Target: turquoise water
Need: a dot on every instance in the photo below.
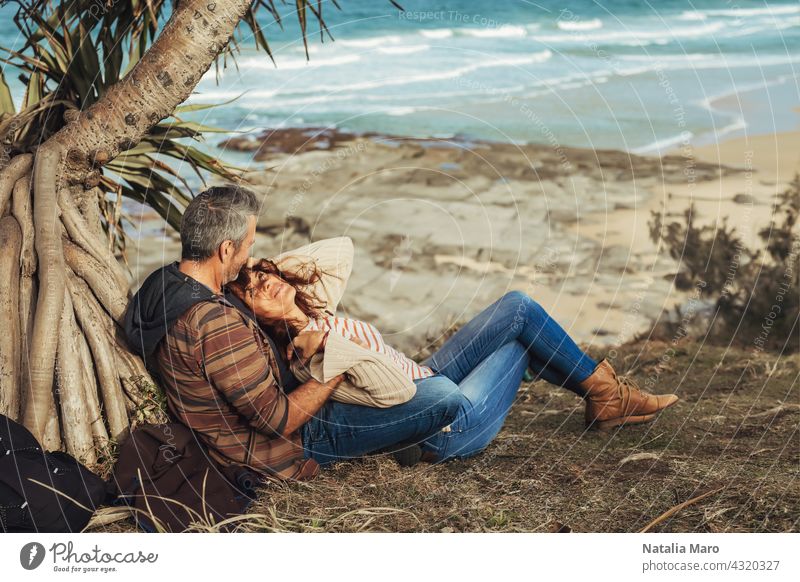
(640, 76)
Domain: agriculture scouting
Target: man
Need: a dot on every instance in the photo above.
(222, 374)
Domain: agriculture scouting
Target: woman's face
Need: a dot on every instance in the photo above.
(269, 296)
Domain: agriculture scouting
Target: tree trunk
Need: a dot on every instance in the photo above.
(62, 299)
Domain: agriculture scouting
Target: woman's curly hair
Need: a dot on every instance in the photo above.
(302, 279)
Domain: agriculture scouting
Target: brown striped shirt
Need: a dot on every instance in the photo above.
(220, 379)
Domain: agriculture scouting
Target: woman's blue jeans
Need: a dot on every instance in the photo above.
(478, 373)
(487, 359)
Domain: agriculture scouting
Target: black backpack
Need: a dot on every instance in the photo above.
(27, 506)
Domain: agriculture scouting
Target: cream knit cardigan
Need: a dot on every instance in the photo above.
(371, 378)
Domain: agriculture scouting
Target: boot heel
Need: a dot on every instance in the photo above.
(606, 425)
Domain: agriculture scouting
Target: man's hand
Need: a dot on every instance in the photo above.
(360, 342)
(335, 381)
(306, 344)
(306, 400)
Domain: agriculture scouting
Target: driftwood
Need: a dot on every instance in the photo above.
(672, 511)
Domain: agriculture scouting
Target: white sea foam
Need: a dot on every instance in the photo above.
(505, 31)
(538, 57)
(637, 36)
(662, 146)
(699, 61)
(287, 64)
(692, 15)
(740, 12)
(372, 42)
(737, 125)
(400, 111)
(323, 93)
(295, 97)
(708, 102)
(771, 25)
(403, 50)
(437, 33)
(217, 95)
(593, 24)
(667, 58)
(550, 86)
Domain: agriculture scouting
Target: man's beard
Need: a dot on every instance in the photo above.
(233, 274)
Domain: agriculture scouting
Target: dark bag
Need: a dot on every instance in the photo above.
(165, 473)
(27, 506)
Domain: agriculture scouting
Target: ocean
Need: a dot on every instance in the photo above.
(634, 75)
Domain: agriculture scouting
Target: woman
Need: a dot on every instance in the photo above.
(296, 295)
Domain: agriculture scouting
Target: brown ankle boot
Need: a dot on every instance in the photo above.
(613, 401)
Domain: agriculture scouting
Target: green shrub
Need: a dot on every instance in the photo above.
(755, 292)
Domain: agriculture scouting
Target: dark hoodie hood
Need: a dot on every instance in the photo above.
(164, 296)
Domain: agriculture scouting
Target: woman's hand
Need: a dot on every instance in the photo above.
(306, 344)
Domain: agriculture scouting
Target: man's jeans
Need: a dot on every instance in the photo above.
(479, 370)
(340, 431)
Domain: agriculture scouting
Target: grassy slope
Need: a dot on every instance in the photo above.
(735, 428)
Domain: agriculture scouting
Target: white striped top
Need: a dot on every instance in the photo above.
(367, 333)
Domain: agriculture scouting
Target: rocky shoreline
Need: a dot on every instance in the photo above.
(442, 227)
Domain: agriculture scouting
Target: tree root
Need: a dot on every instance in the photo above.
(52, 289)
(22, 210)
(16, 169)
(96, 330)
(80, 233)
(99, 432)
(10, 245)
(71, 394)
(98, 278)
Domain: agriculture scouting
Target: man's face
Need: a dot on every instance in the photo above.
(238, 258)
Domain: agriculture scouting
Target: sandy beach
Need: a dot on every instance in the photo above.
(444, 227)
(767, 164)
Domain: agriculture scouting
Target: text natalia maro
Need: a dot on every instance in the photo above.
(674, 548)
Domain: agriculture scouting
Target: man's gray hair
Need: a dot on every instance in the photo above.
(214, 216)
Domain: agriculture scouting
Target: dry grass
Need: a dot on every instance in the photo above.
(735, 431)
